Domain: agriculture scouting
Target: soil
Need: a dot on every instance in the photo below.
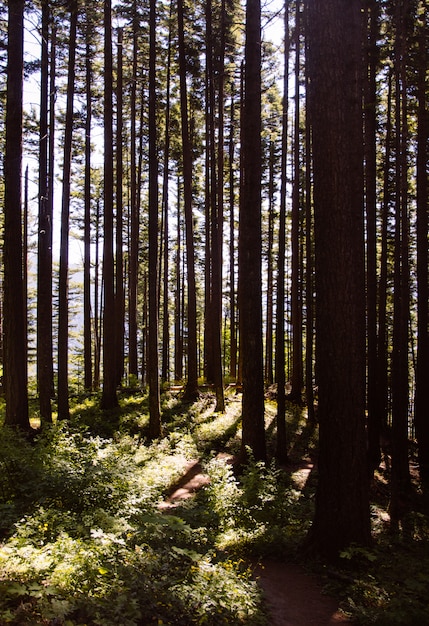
(293, 597)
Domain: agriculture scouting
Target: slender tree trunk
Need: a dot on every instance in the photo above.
(280, 361)
(269, 375)
(420, 401)
(153, 368)
(309, 251)
(191, 391)
(134, 234)
(250, 244)
(370, 126)
(15, 339)
(400, 477)
(109, 398)
(232, 291)
(165, 367)
(63, 286)
(334, 61)
(296, 295)
(119, 283)
(87, 335)
(178, 343)
(97, 307)
(44, 251)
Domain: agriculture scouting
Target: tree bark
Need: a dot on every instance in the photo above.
(15, 337)
(109, 398)
(342, 500)
(63, 286)
(250, 244)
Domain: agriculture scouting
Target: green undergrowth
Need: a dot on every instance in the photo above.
(84, 541)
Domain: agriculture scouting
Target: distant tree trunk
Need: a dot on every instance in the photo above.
(232, 292)
(109, 398)
(400, 477)
(268, 374)
(119, 283)
(309, 251)
(296, 295)
(134, 230)
(370, 127)
(15, 339)
(191, 391)
(280, 361)
(87, 334)
(63, 285)
(25, 265)
(44, 251)
(153, 367)
(165, 367)
(97, 307)
(334, 60)
(422, 369)
(178, 342)
(382, 336)
(250, 244)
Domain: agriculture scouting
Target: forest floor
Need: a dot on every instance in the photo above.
(293, 596)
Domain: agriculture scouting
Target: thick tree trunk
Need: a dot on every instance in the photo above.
(15, 337)
(342, 500)
(250, 244)
(119, 274)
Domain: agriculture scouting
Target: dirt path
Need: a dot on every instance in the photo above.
(293, 597)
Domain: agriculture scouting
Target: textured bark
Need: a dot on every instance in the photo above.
(44, 251)
(153, 373)
(15, 339)
(119, 273)
(342, 501)
(109, 398)
(250, 243)
(281, 445)
(63, 285)
(87, 334)
(191, 391)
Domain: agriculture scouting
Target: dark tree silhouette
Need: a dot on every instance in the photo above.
(334, 56)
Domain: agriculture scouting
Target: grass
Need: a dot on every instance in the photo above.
(84, 542)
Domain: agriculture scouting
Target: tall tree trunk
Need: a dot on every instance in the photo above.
(400, 477)
(119, 283)
(370, 126)
(191, 391)
(309, 251)
(109, 398)
(15, 338)
(134, 230)
(63, 285)
(420, 401)
(250, 244)
(268, 374)
(44, 251)
(178, 309)
(296, 295)
(342, 500)
(232, 292)
(165, 367)
(153, 368)
(87, 334)
(280, 361)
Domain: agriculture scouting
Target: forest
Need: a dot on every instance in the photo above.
(214, 260)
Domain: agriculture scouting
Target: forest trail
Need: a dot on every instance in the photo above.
(293, 597)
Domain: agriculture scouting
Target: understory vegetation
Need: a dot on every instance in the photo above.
(85, 538)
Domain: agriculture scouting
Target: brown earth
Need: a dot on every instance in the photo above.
(293, 597)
